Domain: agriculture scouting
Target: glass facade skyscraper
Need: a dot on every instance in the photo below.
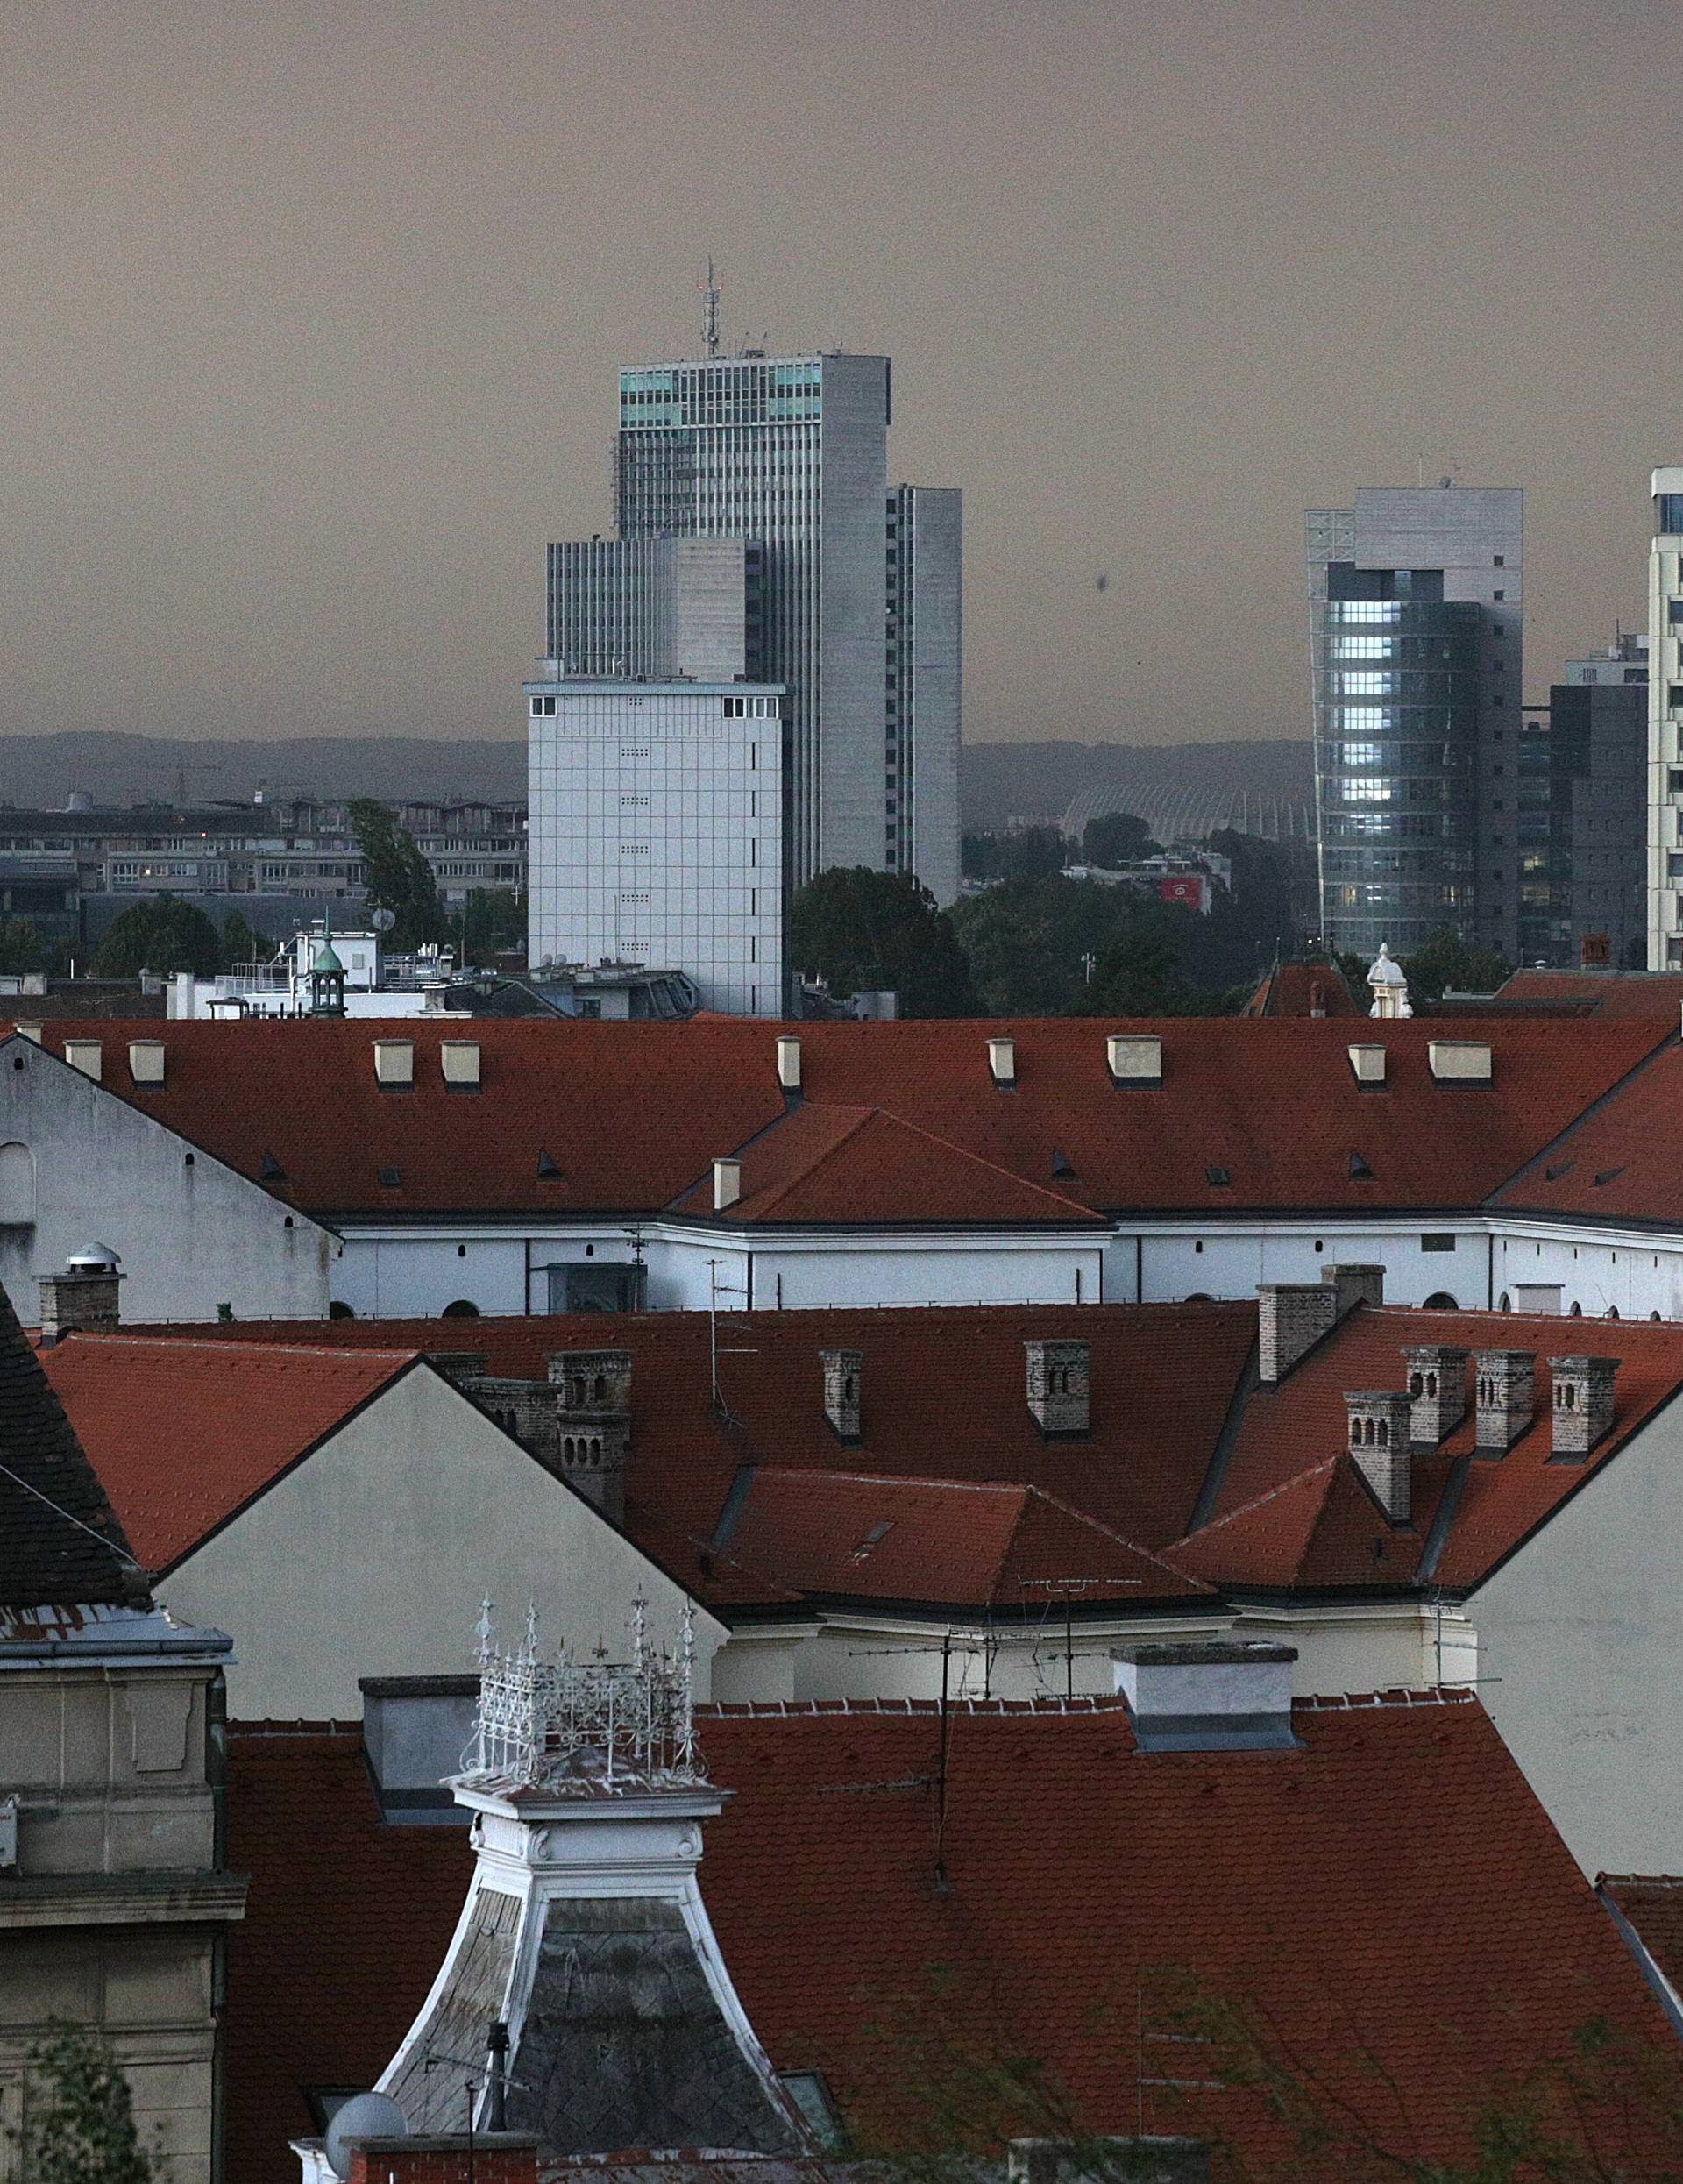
(1415, 608)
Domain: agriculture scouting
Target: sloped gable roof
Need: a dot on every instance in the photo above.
(183, 1434)
(632, 1115)
(61, 1541)
(822, 1163)
(955, 1542)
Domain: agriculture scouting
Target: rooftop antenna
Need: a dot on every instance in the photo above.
(710, 319)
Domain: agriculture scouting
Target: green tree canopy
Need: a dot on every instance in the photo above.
(242, 943)
(1117, 837)
(866, 931)
(164, 935)
(21, 946)
(396, 876)
(493, 919)
(1444, 960)
(82, 2131)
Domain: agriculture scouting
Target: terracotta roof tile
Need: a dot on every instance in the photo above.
(634, 1114)
(183, 1433)
(1387, 1903)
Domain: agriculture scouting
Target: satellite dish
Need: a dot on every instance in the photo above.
(383, 920)
(365, 2116)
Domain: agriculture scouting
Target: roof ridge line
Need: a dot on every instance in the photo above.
(1244, 1509)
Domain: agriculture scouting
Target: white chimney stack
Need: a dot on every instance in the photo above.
(789, 1064)
(1002, 1062)
(727, 1184)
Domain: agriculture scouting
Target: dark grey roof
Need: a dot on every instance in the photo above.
(60, 1543)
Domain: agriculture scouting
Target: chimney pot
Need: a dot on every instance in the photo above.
(146, 1060)
(1135, 1061)
(84, 1055)
(1505, 1383)
(727, 1184)
(395, 1065)
(1002, 1060)
(1378, 1427)
(1368, 1065)
(460, 1059)
(1583, 1403)
(1059, 1381)
(789, 1064)
(1437, 1391)
(844, 1393)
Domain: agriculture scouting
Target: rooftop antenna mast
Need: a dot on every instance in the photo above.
(711, 320)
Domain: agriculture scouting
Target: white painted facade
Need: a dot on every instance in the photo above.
(371, 1558)
(1580, 1634)
(656, 832)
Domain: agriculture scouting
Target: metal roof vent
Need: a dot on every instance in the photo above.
(94, 1258)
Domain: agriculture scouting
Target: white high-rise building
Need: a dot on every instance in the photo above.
(790, 454)
(656, 831)
(1665, 723)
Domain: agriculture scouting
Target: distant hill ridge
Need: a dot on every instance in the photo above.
(998, 781)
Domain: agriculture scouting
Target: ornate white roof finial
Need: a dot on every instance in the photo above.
(1390, 985)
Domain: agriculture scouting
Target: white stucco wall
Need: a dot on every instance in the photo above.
(192, 1234)
(1581, 1645)
(372, 1558)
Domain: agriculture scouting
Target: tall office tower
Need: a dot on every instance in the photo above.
(1665, 723)
(1415, 606)
(791, 454)
(925, 675)
(656, 831)
(661, 607)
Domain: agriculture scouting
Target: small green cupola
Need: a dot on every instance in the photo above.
(327, 978)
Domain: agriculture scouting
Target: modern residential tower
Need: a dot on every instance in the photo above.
(1415, 603)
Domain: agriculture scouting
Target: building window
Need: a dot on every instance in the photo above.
(542, 709)
(1499, 594)
(1499, 560)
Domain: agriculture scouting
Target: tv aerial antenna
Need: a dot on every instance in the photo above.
(710, 319)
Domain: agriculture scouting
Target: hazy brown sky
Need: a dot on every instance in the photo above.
(310, 314)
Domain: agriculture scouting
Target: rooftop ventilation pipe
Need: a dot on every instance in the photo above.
(82, 1298)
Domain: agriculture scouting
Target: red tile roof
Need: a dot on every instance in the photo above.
(1617, 1163)
(183, 1433)
(1387, 1906)
(632, 1115)
(1610, 993)
(1654, 1903)
(943, 1392)
(1303, 989)
(830, 1163)
(1290, 1513)
(946, 1541)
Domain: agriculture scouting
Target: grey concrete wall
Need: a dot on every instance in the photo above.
(192, 1233)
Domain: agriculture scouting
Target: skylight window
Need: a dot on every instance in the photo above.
(1217, 1179)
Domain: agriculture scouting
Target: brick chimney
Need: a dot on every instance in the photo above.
(1504, 1387)
(1058, 1382)
(592, 1422)
(1379, 1446)
(1583, 1402)
(82, 1298)
(843, 1397)
(510, 2157)
(1291, 1318)
(1437, 1391)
